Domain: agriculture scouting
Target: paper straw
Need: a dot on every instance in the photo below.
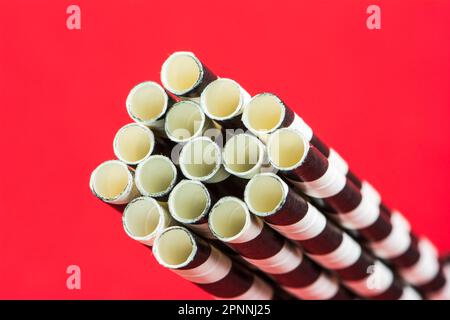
(307, 168)
(185, 76)
(266, 112)
(147, 104)
(223, 100)
(244, 156)
(155, 177)
(269, 197)
(133, 143)
(113, 182)
(197, 261)
(144, 218)
(185, 121)
(189, 203)
(231, 222)
(201, 160)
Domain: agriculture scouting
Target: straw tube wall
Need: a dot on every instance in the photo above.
(147, 104)
(113, 182)
(185, 121)
(244, 155)
(223, 100)
(189, 203)
(307, 168)
(185, 76)
(269, 197)
(231, 222)
(155, 177)
(144, 218)
(197, 261)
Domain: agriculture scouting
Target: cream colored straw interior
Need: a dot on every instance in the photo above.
(241, 153)
(174, 247)
(189, 201)
(264, 194)
(147, 102)
(264, 112)
(228, 218)
(133, 143)
(222, 98)
(182, 72)
(184, 120)
(156, 175)
(199, 158)
(286, 148)
(142, 217)
(110, 180)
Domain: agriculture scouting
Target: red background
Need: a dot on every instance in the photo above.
(380, 97)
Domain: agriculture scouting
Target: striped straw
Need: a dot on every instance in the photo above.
(231, 222)
(147, 104)
(269, 197)
(307, 168)
(185, 76)
(197, 261)
(112, 182)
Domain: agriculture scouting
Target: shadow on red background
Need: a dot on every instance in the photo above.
(380, 97)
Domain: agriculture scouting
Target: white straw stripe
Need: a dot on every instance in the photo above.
(312, 224)
(395, 244)
(344, 256)
(215, 268)
(377, 282)
(371, 192)
(400, 220)
(259, 290)
(328, 185)
(323, 288)
(335, 160)
(286, 260)
(410, 294)
(301, 126)
(426, 268)
(364, 215)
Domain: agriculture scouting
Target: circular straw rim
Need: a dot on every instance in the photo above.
(199, 130)
(150, 135)
(130, 95)
(139, 185)
(164, 73)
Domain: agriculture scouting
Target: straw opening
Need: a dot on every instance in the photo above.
(175, 247)
(181, 72)
(242, 153)
(142, 217)
(156, 175)
(146, 102)
(184, 121)
(200, 159)
(189, 201)
(110, 180)
(287, 148)
(228, 218)
(264, 113)
(264, 194)
(133, 143)
(222, 99)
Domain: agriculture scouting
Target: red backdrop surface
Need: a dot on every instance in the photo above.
(380, 97)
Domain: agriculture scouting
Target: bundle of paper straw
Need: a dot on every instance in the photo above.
(239, 196)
